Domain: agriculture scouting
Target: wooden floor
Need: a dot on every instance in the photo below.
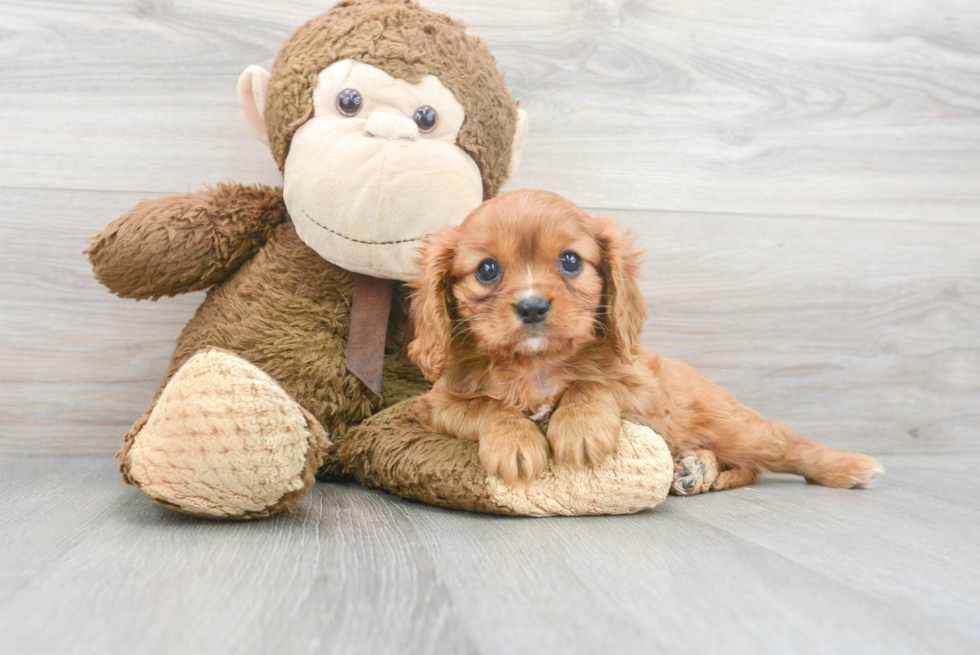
(805, 179)
(90, 566)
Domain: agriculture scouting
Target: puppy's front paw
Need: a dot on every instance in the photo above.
(514, 452)
(582, 436)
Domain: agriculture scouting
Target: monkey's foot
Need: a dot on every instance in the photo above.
(224, 440)
(695, 471)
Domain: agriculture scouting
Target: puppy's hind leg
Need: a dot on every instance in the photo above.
(698, 471)
(733, 478)
(695, 472)
(820, 464)
(732, 449)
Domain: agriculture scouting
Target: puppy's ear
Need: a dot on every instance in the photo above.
(431, 299)
(625, 307)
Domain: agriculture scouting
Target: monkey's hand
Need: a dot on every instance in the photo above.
(184, 243)
(584, 430)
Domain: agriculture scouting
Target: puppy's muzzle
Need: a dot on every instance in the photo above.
(532, 310)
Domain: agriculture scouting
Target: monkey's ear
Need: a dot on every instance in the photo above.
(253, 85)
(517, 147)
(431, 299)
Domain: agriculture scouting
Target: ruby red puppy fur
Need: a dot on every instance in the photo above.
(531, 306)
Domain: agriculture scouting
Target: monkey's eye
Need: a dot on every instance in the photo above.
(349, 102)
(425, 117)
(570, 263)
(488, 271)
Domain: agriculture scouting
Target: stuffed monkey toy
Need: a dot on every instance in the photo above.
(388, 123)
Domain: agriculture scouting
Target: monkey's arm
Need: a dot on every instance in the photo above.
(185, 243)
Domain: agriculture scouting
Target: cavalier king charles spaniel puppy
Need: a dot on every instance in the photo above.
(530, 311)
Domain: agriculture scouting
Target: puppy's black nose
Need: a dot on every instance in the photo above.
(532, 310)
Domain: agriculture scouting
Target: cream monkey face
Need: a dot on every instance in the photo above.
(375, 169)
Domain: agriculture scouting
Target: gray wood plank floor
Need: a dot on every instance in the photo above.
(88, 565)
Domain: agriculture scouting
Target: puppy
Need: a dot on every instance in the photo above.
(530, 307)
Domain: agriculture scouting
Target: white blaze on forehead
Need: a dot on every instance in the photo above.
(529, 291)
(364, 199)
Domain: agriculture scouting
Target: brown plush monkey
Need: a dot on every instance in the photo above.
(388, 123)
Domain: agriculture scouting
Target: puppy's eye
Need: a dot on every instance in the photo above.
(570, 263)
(349, 102)
(425, 117)
(488, 271)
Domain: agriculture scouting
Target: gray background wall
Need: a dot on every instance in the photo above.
(805, 177)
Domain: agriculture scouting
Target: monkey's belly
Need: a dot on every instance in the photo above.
(287, 311)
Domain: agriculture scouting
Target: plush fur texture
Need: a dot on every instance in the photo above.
(280, 314)
(417, 463)
(185, 243)
(408, 42)
(493, 368)
(286, 309)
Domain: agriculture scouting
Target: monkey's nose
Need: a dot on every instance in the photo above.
(532, 310)
(390, 126)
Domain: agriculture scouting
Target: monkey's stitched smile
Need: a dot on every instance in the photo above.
(370, 243)
(372, 175)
